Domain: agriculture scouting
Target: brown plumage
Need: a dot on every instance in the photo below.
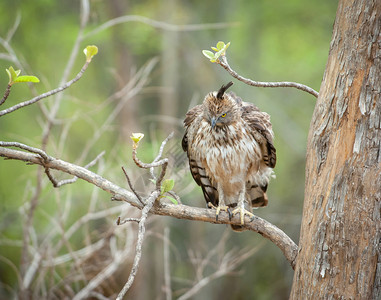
(231, 154)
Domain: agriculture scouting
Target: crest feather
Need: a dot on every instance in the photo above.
(223, 89)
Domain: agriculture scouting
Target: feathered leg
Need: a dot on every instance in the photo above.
(221, 204)
(241, 207)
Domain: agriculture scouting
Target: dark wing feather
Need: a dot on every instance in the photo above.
(196, 168)
(261, 127)
(260, 123)
(199, 175)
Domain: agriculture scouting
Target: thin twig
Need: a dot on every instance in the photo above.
(174, 195)
(227, 264)
(101, 277)
(167, 269)
(6, 94)
(131, 186)
(163, 163)
(160, 154)
(138, 252)
(74, 179)
(45, 95)
(126, 220)
(223, 62)
(130, 90)
(143, 165)
(158, 24)
(27, 148)
(46, 158)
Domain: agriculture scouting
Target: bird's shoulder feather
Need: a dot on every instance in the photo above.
(260, 126)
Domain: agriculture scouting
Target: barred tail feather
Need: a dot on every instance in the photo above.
(257, 195)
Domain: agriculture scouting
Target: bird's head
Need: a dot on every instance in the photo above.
(220, 108)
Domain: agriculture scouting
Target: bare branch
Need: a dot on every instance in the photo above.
(82, 173)
(84, 15)
(6, 94)
(160, 153)
(223, 62)
(131, 88)
(263, 227)
(150, 201)
(158, 24)
(225, 265)
(25, 147)
(104, 274)
(167, 272)
(119, 222)
(74, 179)
(163, 163)
(132, 187)
(45, 95)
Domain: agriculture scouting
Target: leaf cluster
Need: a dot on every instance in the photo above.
(220, 49)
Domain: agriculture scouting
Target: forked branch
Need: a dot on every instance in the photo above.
(263, 227)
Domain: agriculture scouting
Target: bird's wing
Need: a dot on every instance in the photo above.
(261, 127)
(197, 170)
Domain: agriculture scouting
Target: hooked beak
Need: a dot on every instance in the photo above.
(213, 122)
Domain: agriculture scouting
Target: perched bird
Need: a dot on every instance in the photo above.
(231, 154)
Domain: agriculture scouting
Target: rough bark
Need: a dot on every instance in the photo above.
(340, 242)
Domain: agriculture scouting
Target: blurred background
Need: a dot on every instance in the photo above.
(149, 71)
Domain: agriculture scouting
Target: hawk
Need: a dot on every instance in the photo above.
(229, 144)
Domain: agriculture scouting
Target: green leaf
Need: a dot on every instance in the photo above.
(220, 45)
(167, 185)
(226, 46)
(90, 51)
(208, 54)
(26, 78)
(222, 51)
(174, 201)
(15, 78)
(9, 75)
(214, 48)
(136, 137)
(12, 74)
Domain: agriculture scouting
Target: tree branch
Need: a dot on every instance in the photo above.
(223, 62)
(47, 94)
(138, 252)
(6, 94)
(263, 227)
(158, 24)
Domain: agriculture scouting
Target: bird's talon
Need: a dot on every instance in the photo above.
(229, 211)
(210, 205)
(242, 211)
(218, 210)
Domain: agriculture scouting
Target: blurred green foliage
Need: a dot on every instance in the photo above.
(274, 41)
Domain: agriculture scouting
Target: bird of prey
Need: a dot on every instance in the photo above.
(229, 144)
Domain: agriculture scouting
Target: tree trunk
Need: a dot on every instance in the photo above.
(340, 242)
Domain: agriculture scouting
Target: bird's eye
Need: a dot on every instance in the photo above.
(223, 115)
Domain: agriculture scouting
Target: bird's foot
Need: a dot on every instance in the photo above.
(242, 211)
(219, 208)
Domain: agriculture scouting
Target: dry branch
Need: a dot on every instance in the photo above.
(223, 62)
(263, 227)
(159, 25)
